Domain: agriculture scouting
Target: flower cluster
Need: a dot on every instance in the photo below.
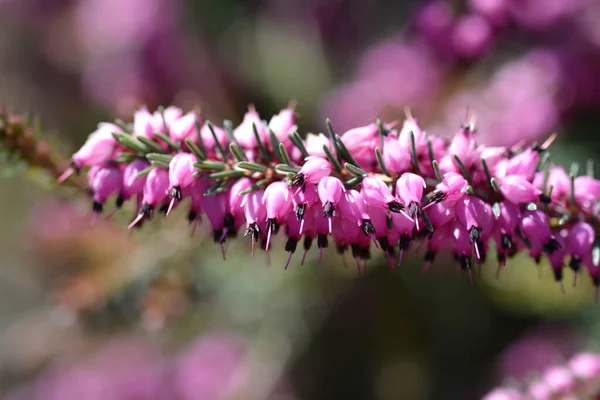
(372, 184)
(578, 379)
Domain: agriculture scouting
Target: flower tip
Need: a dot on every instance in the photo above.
(137, 219)
(65, 175)
(171, 205)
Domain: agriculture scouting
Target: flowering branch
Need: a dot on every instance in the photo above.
(578, 379)
(392, 187)
(21, 140)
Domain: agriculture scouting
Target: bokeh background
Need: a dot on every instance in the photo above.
(157, 314)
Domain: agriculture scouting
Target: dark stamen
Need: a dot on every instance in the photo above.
(299, 180)
(558, 274)
(175, 193)
(506, 242)
(307, 242)
(414, 210)
(437, 196)
(120, 201)
(404, 242)
(97, 207)
(430, 255)
(329, 210)
(551, 246)
(192, 215)
(474, 233)
(395, 206)
(575, 263)
(291, 244)
(367, 227)
(300, 211)
(322, 241)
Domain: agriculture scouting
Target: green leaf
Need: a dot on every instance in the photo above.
(200, 140)
(237, 152)
(354, 170)
(160, 164)
(228, 126)
(297, 140)
(130, 142)
(151, 144)
(258, 185)
(195, 149)
(210, 165)
(261, 147)
(332, 158)
(251, 166)
(217, 143)
(382, 166)
(165, 158)
(145, 171)
(413, 152)
(167, 140)
(285, 168)
(275, 144)
(226, 174)
(285, 155)
(354, 181)
(125, 158)
(462, 167)
(127, 128)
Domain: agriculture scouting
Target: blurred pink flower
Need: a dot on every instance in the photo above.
(210, 369)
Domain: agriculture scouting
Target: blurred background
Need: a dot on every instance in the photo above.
(157, 314)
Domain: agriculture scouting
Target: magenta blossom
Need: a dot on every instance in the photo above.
(394, 189)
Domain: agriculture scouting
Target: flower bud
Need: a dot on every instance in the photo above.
(98, 148)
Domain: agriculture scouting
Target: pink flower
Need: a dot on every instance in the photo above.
(145, 124)
(353, 207)
(157, 184)
(409, 188)
(167, 118)
(559, 380)
(378, 194)
(473, 215)
(314, 144)
(278, 202)
(98, 148)
(361, 143)
(184, 127)
(282, 125)
(181, 175)
(255, 214)
(209, 139)
(302, 200)
(522, 164)
(410, 127)
(452, 187)
(313, 170)
(244, 133)
(395, 156)
(558, 179)
(535, 227)
(105, 182)
(580, 241)
(504, 394)
(181, 170)
(330, 191)
(132, 183)
(587, 192)
(585, 366)
(518, 190)
(235, 200)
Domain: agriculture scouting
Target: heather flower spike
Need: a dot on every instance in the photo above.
(375, 185)
(578, 378)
